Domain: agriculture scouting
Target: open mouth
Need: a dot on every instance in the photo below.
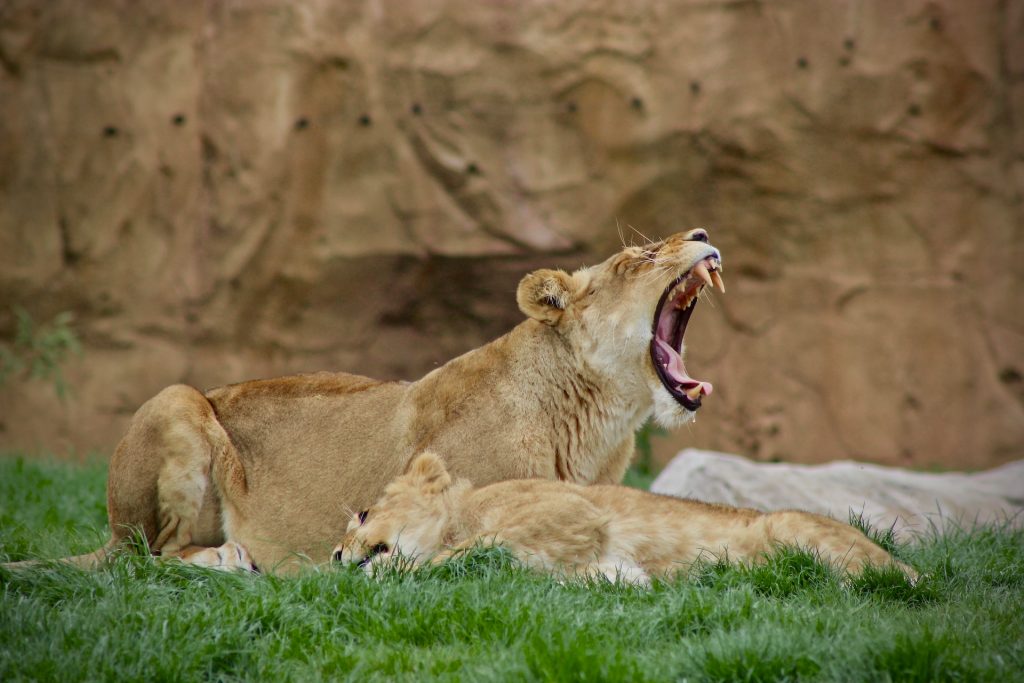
(670, 318)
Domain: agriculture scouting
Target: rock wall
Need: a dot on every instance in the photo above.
(236, 188)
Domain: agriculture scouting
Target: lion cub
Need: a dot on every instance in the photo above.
(616, 531)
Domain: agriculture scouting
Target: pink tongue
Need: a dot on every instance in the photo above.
(677, 372)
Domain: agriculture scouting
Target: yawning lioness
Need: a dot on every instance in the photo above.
(274, 466)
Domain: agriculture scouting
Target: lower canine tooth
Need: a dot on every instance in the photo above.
(718, 281)
(693, 393)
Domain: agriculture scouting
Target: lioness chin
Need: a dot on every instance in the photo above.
(272, 466)
(615, 531)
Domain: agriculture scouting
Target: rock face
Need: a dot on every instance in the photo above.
(230, 189)
(909, 502)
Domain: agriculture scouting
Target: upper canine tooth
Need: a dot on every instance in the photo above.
(718, 281)
(702, 272)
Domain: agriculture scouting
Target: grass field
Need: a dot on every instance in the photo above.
(481, 617)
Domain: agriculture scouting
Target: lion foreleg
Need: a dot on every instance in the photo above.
(619, 570)
(453, 551)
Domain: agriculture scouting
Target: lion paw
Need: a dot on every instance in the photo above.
(227, 557)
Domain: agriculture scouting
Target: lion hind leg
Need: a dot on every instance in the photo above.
(836, 543)
(160, 475)
(182, 485)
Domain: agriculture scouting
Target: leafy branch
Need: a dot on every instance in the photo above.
(39, 351)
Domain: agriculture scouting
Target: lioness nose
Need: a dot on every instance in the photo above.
(338, 556)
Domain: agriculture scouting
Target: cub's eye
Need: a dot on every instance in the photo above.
(362, 516)
(698, 236)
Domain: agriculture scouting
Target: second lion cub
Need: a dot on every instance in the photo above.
(589, 530)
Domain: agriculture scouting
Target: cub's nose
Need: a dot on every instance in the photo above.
(338, 555)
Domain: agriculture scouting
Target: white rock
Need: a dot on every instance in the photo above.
(910, 501)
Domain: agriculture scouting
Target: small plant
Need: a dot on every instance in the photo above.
(641, 473)
(38, 351)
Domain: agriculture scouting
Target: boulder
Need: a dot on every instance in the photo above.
(910, 502)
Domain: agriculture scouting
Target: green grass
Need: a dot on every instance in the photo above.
(638, 478)
(481, 617)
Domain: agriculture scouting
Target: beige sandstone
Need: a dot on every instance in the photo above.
(208, 186)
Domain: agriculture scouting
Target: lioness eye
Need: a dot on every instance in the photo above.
(362, 516)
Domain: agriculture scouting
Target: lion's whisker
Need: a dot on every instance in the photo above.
(622, 237)
(707, 297)
(649, 240)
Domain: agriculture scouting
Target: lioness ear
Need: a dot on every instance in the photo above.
(429, 470)
(545, 294)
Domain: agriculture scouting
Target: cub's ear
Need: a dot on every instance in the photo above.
(545, 294)
(430, 473)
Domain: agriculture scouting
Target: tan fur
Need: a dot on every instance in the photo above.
(613, 531)
(276, 465)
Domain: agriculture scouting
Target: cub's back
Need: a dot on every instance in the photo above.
(624, 501)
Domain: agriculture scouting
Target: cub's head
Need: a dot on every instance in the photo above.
(408, 519)
(626, 317)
